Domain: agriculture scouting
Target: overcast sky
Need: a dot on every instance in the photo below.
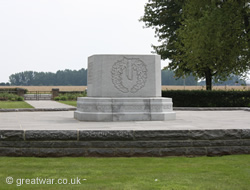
(51, 35)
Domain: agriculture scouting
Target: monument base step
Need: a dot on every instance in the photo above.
(124, 109)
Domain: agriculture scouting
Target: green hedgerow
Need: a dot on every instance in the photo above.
(11, 97)
(69, 96)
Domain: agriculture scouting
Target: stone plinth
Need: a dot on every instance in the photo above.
(124, 88)
(124, 109)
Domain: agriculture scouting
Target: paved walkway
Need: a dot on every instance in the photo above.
(48, 104)
(186, 120)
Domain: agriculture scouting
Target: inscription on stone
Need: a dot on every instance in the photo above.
(133, 70)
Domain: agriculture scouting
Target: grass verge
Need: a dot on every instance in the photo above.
(71, 103)
(13, 105)
(171, 173)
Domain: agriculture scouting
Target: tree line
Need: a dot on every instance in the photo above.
(79, 78)
(60, 78)
(76, 78)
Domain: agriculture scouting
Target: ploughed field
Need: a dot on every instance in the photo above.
(82, 88)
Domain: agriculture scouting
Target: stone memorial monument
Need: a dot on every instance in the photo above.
(124, 88)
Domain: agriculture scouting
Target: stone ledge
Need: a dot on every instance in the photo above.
(50, 135)
(124, 152)
(124, 144)
(105, 135)
(123, 135)
(11, 135)
(58, 143)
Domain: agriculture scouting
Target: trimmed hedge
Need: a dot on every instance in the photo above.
(69, 96)
(11, 90)
(201, 98)
(4, 96)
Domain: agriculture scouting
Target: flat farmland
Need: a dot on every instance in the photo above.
(82, 88)
(204, 88)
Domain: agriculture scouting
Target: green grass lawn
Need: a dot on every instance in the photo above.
(171, 173)
(71, 103)
(12, 105)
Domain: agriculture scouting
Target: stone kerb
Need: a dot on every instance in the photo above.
(91, 143)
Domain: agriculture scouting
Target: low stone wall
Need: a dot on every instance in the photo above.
(82, 143)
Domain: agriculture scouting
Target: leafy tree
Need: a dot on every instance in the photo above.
(208, 38)
(213, 40)
(165, 17)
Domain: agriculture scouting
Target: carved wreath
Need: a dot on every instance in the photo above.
(118, 69)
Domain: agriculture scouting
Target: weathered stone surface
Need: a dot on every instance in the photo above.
(245, 134)
(240, 150)
(201, 143)
(215, 134)
(75, 152)
(48, 135)
(173, 152)
(218, 151)
(149, 152)
(107, 144)
(245, 142)
(162, 135)
(78, 144)
(235, 142)
(149, 144)
(232, 134)
(207, 143)
(45, 144)
(11, 135)
(196, 151)
(97, 152)
(105, 135)
(125, 143)
(123, 152)
(30, 152)
(10, 151)
(17, 144)
(179, 143)
(129, 144)
(51, 152)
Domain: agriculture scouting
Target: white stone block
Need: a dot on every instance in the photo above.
(124, 76)
(124, 88)
(124, 109)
